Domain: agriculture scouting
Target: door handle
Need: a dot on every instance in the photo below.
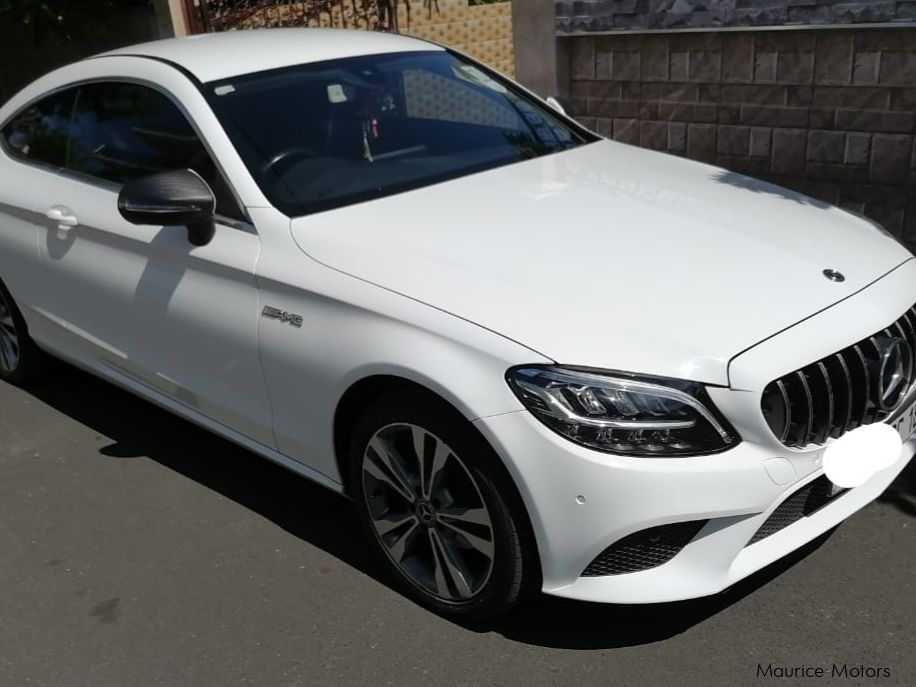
(64, 218)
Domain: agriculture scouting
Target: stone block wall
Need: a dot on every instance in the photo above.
(575, 16)
(831, 113)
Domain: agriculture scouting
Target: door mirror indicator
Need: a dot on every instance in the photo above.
(179, 198)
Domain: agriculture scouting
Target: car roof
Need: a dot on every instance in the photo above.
(216, 56)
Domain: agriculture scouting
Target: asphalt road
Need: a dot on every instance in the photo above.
(136, 549)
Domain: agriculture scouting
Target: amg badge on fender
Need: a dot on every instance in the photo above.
(277, 314)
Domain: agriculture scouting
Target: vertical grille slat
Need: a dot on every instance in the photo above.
(808, 409)
(781, 387)
(843, 427)
(840, 392)
(906, 324)
(865, 392)
(824, 420)
(859, 376)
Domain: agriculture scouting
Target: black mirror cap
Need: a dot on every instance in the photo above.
(179, 198)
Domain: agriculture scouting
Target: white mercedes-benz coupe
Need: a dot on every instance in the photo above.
(533, 358)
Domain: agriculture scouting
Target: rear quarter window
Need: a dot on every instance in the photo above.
(39, 132)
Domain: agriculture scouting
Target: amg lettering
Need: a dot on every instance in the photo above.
(289, 318)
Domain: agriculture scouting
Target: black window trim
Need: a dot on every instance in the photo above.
(245, 225)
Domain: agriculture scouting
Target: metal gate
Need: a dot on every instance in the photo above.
(375, 15)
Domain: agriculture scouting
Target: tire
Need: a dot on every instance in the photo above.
(20, 359)
(465, 507)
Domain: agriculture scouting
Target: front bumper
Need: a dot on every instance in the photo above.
(581, 501)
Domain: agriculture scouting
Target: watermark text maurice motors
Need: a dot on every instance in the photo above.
(832, 671)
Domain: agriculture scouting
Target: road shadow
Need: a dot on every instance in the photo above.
(563, 624)
(902, 493)
(138, 429)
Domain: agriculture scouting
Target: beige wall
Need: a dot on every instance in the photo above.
(482, 31)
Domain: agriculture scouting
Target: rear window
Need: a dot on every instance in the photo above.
(320, 136)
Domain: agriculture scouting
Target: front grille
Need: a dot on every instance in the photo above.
(644, 549)
(857, 386)
(810, 498)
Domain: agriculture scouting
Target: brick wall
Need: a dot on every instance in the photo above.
(831, 113)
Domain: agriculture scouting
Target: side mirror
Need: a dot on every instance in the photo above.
(179, 198)
(555, 104)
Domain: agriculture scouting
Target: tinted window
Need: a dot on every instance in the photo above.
(323, 135)
(122, 131)
(39, 132)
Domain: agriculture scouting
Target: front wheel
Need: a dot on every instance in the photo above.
(439, 508)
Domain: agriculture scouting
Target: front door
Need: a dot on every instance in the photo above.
(141, 301)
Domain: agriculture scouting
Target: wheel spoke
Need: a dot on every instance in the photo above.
(388, 470)
(385, 478)
(438, 565)
(430, 469)
(6, 323)
(474, 516)
(399, 548)
(482, 545)
(453, 568)
(386, 525)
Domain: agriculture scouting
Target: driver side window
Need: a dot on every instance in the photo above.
(123, 131)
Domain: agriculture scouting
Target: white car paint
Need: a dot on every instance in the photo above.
(604, 256)
(641, 262)
(738, 488)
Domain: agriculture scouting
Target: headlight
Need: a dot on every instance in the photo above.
(619, 413)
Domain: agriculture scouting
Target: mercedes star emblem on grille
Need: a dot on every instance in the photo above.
(892, 377)
(833, 275)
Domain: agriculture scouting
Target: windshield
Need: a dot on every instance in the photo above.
(319, 136)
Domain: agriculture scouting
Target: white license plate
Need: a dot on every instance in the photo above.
(906, 423)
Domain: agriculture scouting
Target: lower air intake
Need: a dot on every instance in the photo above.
(810, 498)
(644, 550)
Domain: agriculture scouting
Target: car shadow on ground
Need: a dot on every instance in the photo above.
(139, 429)
(902, 493)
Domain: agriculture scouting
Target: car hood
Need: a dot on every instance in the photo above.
(610, 256)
